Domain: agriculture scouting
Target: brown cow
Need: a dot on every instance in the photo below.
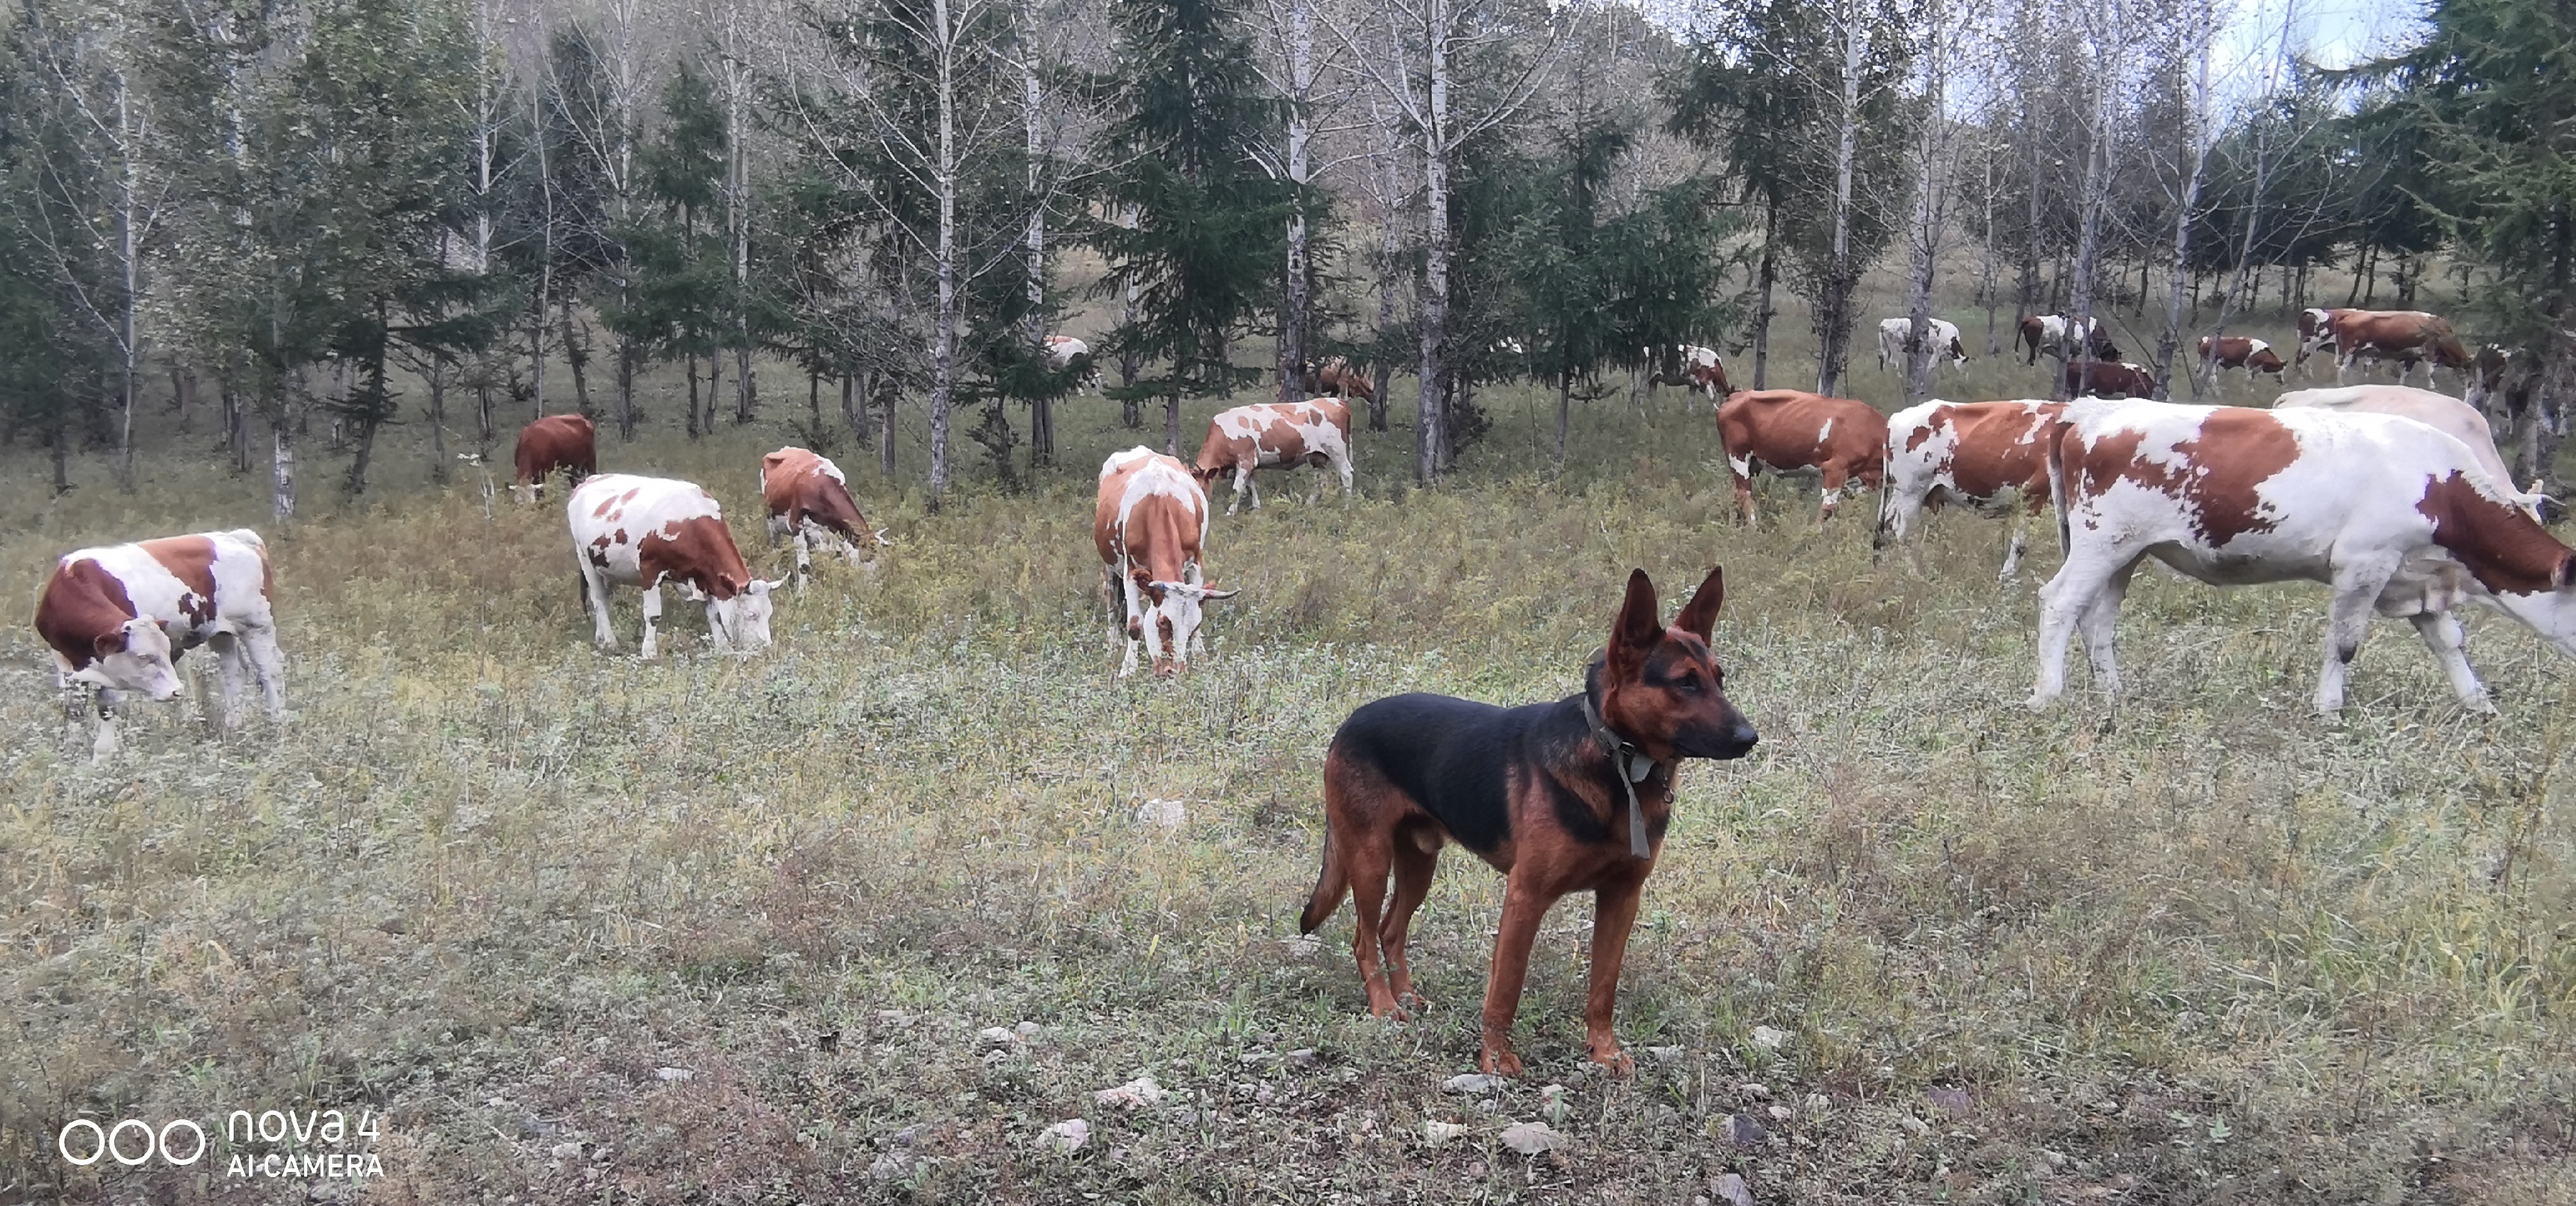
(2109, 379)
(1977, 453)
(2239, 352)
(1345, 381)
(1788, 430)
(1150, 525)
(806, 491)
(2052, 334)
(1314, 432)
(2409, 337)
(2316, 332)
(566, 442)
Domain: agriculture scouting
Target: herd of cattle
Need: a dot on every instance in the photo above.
(2395, 497)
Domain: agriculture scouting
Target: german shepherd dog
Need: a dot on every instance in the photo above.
(1561, 797)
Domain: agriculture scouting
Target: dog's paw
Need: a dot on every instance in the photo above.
(1617, 1061)
(1499, 1061)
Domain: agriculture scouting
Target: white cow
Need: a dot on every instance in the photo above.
(2390, 513)
(1061, 353)
(1941, 337)
(2441, 412)
(1150, 525)
(644, 531)
(118, 617)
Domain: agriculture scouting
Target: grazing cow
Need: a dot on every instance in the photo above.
(566, 442)
(1065, 351)
(805, 492)
(118, 617)
(2441, 412)
(644, 531)
(1841, 440)
(2505, 384)
(2105, 379)
(1977, 453)
(2238, 352)
(2316, 333)
(1896, 342)
(2409, 337)
(2373, 505)
(1314, 432)
(1705, 371)
(1150, 526)
(2048, 334)
(1344, 381)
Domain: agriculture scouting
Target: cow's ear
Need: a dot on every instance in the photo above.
(1699, 616)
(1639, 626)
(109, 642)
(2565, 575)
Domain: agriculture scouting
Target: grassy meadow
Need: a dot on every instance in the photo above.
(861, 918)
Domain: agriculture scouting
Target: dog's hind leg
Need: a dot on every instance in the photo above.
(1417, 852)
(1366, 861)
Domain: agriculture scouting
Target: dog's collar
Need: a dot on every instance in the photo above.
(1632, 766)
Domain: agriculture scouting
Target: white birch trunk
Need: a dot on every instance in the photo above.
(1430, 418)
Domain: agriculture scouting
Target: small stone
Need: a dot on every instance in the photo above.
(1769, 1038)
(1165, 814)
(888, 1167)
(908, 1135)
(1782, 1113)
(1666, 1055)
(1551, 1092)
(1914, 1126)
(1135, 1094)
(1755, 1090)
(1436, 1133)
(1742, 1130)
(1255, 1057)
(997, 1035)
(894, 1017)
(1026, 1030)
(674, 1075)
(1473, 1082)
(1818, 1103)
(1305, 1057)
(1186, 1117)
(1732, 1190)
(557, 1063)
(567, 1151)
(1531, 1138)
(1303, 946)
(1953, 1101)
(1265, 1095)
(1065, 1137)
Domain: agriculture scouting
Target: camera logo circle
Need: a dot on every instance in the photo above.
(130, 1142)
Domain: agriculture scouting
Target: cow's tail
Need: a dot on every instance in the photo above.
(1330, 886)
(2057, 433)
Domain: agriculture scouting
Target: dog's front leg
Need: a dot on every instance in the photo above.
(1523, 907)
(1614, 913)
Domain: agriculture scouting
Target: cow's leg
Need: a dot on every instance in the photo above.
(2015, 543)
(229, 658)
(1135, 623)
(594, 589)
(2061, 603)
(2100, 623)
(268, 665)
(1834, 478)
(652, 643)
(1342, 465)
(804, 555)
(1742, 470)
(1241, 476)
(2357, 587)
(2450, 645)
(105, 744)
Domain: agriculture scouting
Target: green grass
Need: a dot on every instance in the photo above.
(2197, 945)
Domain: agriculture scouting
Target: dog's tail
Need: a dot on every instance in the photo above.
(1330, 887)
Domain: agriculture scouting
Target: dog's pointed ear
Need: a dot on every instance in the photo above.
(1640, 625)
(1699, 616)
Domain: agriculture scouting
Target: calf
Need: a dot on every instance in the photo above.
(2051, 334)
(2441, 412)
(2106, 379)
(2376, 506)
(1314, 432)
(1840, 440)
(118, 617)
(1977, 453)
(1150, 525)
(805, 492)
(2238, 352)
(2409, 337)
(644, 531)
(566, 442)
(1941, 337)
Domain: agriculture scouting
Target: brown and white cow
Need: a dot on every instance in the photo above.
(2441, 412)
(566, 442)
(809, 500)
(2390, 515)
(1314, 432)
(1941, 337)
(1841, 440)
(1978, 453)
(1150, 526)
(2106, 379)
(2409, 337)
(1065, 351)
(2316, 333)
(2239, 352)
(1344, 381)
(119, 616)
(2051, 335)
(645, 531)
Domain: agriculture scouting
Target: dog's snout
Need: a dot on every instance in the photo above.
(1738, 740)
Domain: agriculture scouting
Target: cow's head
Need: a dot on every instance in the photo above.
(528, 492)
(1172, 618)
(134, 657)
(1659, 687)
(739, 624)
